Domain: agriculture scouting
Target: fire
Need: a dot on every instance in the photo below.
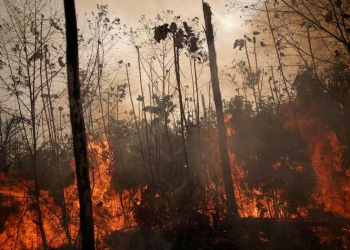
(229, 130)
(325, 153)
(112, 210)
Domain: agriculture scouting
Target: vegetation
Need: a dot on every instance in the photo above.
(266, 168)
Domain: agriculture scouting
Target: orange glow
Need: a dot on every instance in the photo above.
(325, 153)
(229, 130)
(114, 211)
(109, 212)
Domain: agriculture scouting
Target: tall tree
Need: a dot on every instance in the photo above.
(29, 63)
(225, 161)
(316, 35)
(78, 129)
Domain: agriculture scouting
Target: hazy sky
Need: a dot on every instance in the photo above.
(129, 11)
(228, 26)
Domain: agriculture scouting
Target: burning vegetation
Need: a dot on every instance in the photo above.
(157, 171)
(285, 179)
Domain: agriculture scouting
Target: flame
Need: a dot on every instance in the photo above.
(112, 211)
(325, 152)
(229, 130)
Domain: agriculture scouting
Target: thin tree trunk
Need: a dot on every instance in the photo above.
(197, 97)
(251, 72)
(283, 76)
(271, 89)
(34, 154)
(183, 122)
(256, 67)
(78, 129)
(204, 108)
(144, 114)
(225, 161)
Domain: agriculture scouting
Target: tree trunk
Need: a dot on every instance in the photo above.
(225, 161)
(183, 122)
(78, 129)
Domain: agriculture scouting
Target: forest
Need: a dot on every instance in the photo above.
(122, 138)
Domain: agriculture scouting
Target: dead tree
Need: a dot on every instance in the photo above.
(78, 129)
(225, 161)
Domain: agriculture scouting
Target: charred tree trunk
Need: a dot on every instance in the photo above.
(78, 129)
(225, 161)
(37, 192)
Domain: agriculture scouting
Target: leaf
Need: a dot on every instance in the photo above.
(152, 109)
(173, 27)
(60, 62)
(37, 55)
(337, 53)
(249, 39)
(328, 17)
(32, 28)
(140, 98)
(193, 44)
(239, 43)
(161, 32)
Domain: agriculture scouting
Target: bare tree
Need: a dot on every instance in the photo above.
(30, 64)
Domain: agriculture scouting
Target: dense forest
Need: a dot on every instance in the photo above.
(170, 162)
